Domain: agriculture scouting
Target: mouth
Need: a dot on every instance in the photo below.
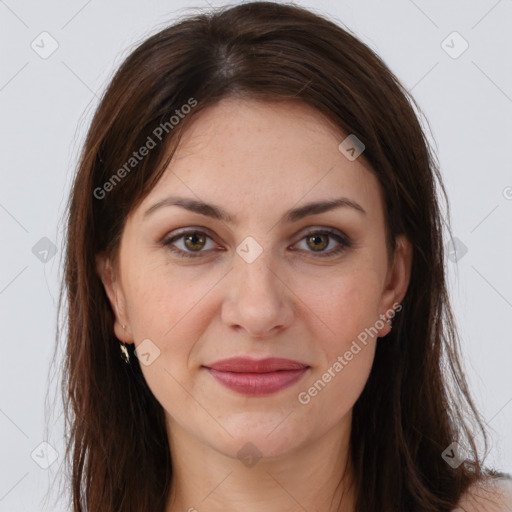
(257, 376)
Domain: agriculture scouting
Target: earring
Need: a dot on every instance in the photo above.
(124, 353)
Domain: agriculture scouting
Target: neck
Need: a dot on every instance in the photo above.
(316, 476)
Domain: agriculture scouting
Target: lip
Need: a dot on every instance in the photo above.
(257, 376)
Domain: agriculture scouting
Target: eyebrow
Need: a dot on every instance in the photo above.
(218, 213)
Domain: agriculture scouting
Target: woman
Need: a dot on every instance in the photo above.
(258, 312)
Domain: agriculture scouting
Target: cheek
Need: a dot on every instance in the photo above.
(346, 306)
(159, 308)
(347, 351)
(162, 300)
(166, 307)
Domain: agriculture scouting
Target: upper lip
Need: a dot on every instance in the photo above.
(248, 365)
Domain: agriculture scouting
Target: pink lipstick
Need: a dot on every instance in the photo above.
(257, 376)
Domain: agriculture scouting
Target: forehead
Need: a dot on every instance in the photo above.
(239, 129)
(266, 156)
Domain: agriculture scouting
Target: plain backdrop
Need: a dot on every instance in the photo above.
(462, 82)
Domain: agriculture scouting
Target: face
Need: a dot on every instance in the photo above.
(192, 289)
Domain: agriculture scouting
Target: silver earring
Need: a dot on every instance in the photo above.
(124, 352)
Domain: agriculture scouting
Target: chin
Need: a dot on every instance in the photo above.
(259, 439)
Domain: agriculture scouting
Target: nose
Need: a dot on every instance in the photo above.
(258, 300)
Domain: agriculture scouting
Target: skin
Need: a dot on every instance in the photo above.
(491, 495)
(257, 160)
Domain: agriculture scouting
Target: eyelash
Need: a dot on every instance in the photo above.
(344, 241)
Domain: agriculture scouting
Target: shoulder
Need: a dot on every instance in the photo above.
(488, 495)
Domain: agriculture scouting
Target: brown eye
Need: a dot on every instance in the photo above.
(318, 242)
(195, 241)
(192, 242)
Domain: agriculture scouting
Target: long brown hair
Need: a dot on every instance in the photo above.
(416, 401)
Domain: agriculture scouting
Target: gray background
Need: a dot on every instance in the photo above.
(46, 105)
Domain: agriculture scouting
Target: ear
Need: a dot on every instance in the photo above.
(397, 280)
(113, 289)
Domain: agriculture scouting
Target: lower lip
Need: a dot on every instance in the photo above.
(258, 383)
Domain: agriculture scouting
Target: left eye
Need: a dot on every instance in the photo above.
(320, 241)
(195, 241)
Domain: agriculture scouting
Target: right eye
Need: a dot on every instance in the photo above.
(193, 241)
